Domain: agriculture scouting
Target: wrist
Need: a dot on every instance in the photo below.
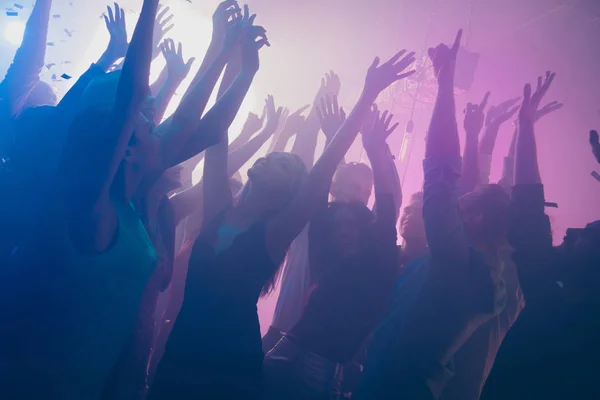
(106, 60)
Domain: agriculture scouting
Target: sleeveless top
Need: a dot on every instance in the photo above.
(215, 348)
(73, 312)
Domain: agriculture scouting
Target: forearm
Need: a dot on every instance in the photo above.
(218, 119)
(160, 82)
(526, 163)
(306, 140)
(214, 49)
(240, 156)
(470, 165)
(163, 98)
(386, 180)
(280, 142)
(28, 62)
(186, 119)
(442, 137)
(70, 104)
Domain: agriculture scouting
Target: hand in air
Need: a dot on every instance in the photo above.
(381, 76)
(331, 116)
(531, 102)
(444, 60)
(253, 39)
(497, 115)
(294, 122)
(227, 13)
(374, 138)
(475, 116)
(177, 68)
(273, 116)
(254, 123)
(161, 28)
(115, 23)
(595, 145)
(548, 109)
(330, 86)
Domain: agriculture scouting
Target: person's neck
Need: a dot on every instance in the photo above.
(247, 212)
(413, 248)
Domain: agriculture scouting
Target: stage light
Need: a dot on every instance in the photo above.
(13, 32)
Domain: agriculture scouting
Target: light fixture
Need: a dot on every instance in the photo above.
(13, 32)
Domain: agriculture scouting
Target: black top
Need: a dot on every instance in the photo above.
(552, 351)
(348, 301)
(214, 350)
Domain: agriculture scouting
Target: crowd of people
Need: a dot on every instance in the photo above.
(120, 279)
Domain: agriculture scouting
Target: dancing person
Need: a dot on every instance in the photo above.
(77, 290)
(551, 351)
(440, 303)
(353, 262)
(242, 258)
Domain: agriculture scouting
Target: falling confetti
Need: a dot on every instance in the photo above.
(12, 14)
(65, 76)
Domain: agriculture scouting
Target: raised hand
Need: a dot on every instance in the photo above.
(254, 38)
(294, 121)
(177, 68)
(254, 123)
(227, 13)
(115, 24)
(444, 60)
(595, 145)
(374, 138)
(548, 109)
(380, 77)
(497, 115)
(331, 116)
(273, 115)
(161, 28)
(531, 102)
(475, 116)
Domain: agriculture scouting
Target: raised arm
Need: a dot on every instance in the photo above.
(385, 175)
(179, 136)
(442, 166)
(529, 227)
(474, 118)
(306, 139)
(177, 71)
(253, 124)
(24, 73)
(495, 118)
(117, 48)
(217, 194)
(284, 227)
(239, 156)
(293, 124)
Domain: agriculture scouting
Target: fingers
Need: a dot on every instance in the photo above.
(301, 110)
(526, 93)
(594, 139)
(162, 13)
(407, 74)
(457, 41)
(391, 130)
(179, 49)
(375, 63)
(395, 58)
(189, 64)
(343, 113)
(264, 113)
(484, 103)
(111, 16)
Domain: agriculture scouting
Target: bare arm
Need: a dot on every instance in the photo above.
(217, 194)
(443, 227)
(385, 175)
(306, 139)
(474, 118)
(24, 73)
(284, 227)
(177, 71)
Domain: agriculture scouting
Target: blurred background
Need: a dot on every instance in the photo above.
(510, 42)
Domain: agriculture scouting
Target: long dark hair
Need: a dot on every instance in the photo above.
(322, 253)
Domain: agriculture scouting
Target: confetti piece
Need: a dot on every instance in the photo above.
(69, 33)
(53, 77)
(56, 16)
(50, 44)
(12, 14)
(20, 7)
(65, 76)
(50, 65)
(551, 205)
(596, 175)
